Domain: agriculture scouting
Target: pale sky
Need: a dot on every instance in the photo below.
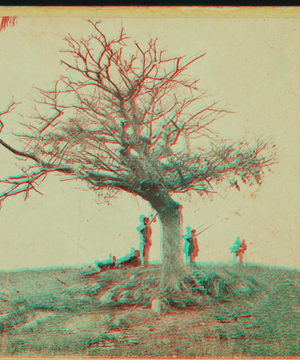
(251, 65)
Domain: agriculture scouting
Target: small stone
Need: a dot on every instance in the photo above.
(106, 297)
(155, 304)
(131, 277)
(125, 297)
(137, 294)
(216, 285)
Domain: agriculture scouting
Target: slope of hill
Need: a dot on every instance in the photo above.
(233, 311)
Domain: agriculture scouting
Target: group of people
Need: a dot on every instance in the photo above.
(133, 258)
(190, 249)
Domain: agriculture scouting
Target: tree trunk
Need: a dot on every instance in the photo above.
(171, 259)
(170, 216)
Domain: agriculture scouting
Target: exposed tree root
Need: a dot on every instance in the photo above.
(177, 296)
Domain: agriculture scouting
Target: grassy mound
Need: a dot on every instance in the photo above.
(224, 311)
(136, 286)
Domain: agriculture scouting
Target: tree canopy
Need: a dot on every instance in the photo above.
(131, 120)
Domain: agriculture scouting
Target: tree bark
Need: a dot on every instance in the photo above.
(171, 261)
(169, 213)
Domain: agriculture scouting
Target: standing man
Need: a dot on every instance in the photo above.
(193, 249)
(235, 248)
(241, 251)
(186, 245)
(195, 244)
(146, 233)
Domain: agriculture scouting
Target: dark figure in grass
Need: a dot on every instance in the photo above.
(107, 264)
(130, 260)
(146, 232)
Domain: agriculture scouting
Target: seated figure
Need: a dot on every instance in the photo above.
(130, 260)
(107, 264)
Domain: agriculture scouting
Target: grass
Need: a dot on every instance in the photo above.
(62, 312)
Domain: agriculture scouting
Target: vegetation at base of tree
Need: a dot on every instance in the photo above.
(59, 312)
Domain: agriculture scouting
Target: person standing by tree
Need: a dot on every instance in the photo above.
(193, 246)
(146, 232)
(187, 243)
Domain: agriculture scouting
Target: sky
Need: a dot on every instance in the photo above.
(251, 66)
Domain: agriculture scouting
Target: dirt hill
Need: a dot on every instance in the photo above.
(226, 311)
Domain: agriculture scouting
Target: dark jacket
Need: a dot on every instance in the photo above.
(191, 247)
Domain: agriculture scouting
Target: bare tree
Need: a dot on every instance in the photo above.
(131, 122)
